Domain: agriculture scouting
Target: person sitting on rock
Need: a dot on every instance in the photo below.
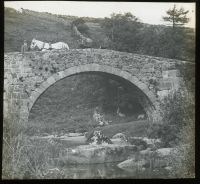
(99, 118)
(121, 136)
(97, 137)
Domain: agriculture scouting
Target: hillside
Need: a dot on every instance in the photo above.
(155, 40)
(42, 26)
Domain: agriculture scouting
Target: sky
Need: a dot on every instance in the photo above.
(150, 13)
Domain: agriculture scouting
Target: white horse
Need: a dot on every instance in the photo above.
(46, 46)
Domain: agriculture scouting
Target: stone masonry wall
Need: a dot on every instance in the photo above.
(27, 76)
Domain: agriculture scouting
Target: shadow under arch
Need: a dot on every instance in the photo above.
(91, 68)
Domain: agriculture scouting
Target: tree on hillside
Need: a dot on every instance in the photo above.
(78, 21)
(175, 40)
(122, 30)
(177, 17)
(81, 26)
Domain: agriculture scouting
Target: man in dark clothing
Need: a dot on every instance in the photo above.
(50, 46)
(24, 47)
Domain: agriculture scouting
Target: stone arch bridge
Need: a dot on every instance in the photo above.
(27, 76)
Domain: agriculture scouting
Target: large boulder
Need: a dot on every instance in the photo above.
(88, 154)
(156, 159)
(132, 164)
(164, 152)
(119, 141)
(119, 138)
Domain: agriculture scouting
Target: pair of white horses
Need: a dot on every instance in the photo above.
(36, 44)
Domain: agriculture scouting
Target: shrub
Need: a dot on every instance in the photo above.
(24, 158)
(83, 28)
(178, 130)
(177, 111)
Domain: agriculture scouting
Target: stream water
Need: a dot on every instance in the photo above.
(109, 171)
(105, 170)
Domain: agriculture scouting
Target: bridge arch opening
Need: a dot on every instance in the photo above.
(131, 83)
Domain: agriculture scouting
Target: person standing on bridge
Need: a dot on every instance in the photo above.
(24, 47)
(50, 46)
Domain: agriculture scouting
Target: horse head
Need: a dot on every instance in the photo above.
(33, 44)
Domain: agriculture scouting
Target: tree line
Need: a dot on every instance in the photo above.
(126, 33)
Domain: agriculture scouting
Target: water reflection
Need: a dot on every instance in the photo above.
(102, 171)
(108, 171)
